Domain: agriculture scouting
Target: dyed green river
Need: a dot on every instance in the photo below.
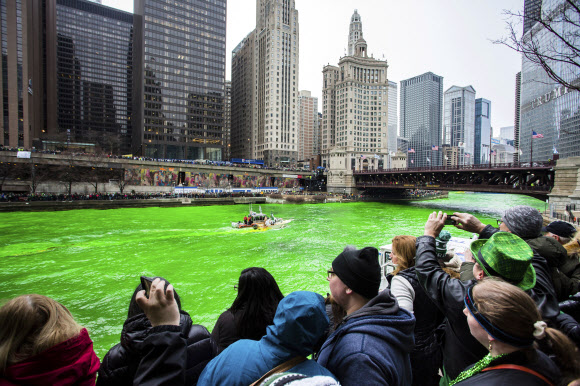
(91, 260)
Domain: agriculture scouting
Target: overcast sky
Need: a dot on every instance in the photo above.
(451, 38)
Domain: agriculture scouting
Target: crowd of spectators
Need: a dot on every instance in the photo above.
(500, 322)
(169, 160)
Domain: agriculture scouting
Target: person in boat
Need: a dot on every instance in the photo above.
(42, 344)
(245, 220)
(505, 320)
(252, 310)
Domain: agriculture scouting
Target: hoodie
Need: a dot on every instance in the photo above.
(71, 362)
(299, 323)
(372, 345)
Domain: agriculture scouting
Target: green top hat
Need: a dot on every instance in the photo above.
(508, 257)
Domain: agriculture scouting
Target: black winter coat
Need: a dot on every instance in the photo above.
(534, 360)
(119, 366)
(426, 357)
(460, 348)
(224, 332)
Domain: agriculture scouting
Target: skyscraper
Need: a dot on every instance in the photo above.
(517, 110)
(307, 124)
(482, 131)
(355, 96)
(67, 75)
(228, 121)
(459, 124)
(273, 134)
(94, 82)
(546, 107)
(16, 101)
(393, 119)
(243, 90)
(179, 90)
(421, 99)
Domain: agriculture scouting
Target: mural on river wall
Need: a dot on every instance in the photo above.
(169, 177)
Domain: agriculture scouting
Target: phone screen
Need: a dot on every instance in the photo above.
(146, 284)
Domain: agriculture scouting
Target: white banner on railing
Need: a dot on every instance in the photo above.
(23, 154)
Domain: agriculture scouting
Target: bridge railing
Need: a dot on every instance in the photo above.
(375, 184)
(511, 165)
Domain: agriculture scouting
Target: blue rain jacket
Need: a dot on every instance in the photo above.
(299, 323)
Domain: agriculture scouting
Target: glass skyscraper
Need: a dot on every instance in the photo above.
(94, 75)
(179, 98)
(482, 131)
(421, 100)
(548, 108)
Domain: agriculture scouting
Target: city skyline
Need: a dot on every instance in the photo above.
(406, 37)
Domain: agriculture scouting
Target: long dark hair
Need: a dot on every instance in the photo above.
(258, 297)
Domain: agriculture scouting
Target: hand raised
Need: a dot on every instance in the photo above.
(468, 222)
(161, 307)
(435, 223)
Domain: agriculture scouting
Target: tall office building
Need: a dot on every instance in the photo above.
(355, 96)
(317, 148)
(228, 121)
(16, 100)
(273, 134)
(547, 108)
(179, 90)
(459, 123)
(421, 101)
(532, 13)
(393, 118)
(518, 94)
(243, 91)
(307, 124)
(507, 133)
(94, 82)
(67, 75)
(482, 141)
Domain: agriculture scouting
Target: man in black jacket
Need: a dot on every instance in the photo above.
(460, 348)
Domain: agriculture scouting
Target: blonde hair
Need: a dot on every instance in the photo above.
(573, 246)
(406, 250)
(31, 324)
(513, 311)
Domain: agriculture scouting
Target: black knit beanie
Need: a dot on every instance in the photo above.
(524, 221)
(359, 270)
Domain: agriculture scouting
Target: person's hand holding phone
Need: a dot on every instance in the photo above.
(161, 307)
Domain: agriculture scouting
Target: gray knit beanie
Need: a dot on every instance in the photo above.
(524, 221)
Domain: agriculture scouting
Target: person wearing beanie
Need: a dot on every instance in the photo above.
(497, 252)
(371, 345)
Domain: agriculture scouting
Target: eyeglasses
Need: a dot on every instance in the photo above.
(499, 222)
(330, 274)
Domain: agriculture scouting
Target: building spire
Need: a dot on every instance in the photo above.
(354, 33)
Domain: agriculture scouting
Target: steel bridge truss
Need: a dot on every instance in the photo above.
(536, 180)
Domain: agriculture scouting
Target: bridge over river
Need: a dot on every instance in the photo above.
(536, 180)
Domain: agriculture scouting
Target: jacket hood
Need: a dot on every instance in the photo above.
(550, 249)
(71, 362)
(381, 317)
(299, 323)
(137, 328)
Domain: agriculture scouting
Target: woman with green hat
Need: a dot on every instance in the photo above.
(506, 321)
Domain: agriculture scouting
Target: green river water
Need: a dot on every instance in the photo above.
(91, 260)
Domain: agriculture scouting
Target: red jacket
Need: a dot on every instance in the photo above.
(71, 362)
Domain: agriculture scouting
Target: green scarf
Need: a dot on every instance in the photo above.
(482, 364)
